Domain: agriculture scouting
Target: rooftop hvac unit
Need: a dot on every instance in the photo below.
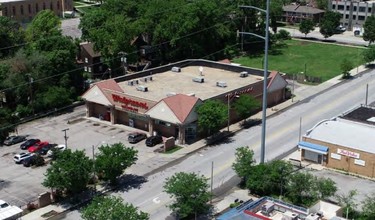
(312, 216)
(136, 81)
(144, 79)
(221, 84)
(268, 208)
(150, 78)
(176, 69)
(171, 94)
(244, 74)
(289, 216)
(130, 83)
(142, 88)
(198, 79)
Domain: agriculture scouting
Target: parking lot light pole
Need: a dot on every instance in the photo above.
(66, 137)
(265, 75)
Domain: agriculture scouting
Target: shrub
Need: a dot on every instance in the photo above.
(283, 35)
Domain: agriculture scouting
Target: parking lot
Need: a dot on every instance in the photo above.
(20, 185)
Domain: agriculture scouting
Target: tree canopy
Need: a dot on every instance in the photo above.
(211, 116)
(111, 208)
(329, 23)
(11, 34)
(45, 24)
(244, 161)
(190, 194)
(369, 54)
(306, 26)
(70, 172)
(369, 29)
(245, 105)
(112, 160)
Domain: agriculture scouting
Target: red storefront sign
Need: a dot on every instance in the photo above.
(239, 92)
(130, 104)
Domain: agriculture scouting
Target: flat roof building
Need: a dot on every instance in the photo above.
(164, 99)
(345, 142)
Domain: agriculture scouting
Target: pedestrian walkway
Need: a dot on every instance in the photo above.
(164, 160)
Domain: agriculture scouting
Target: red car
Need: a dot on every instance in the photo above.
(38, 146)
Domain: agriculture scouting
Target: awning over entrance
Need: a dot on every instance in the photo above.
(313, 147)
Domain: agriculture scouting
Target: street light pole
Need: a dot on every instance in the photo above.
(265, 76)
(66, 137)
(228, 113)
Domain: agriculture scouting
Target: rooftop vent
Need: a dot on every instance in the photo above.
(221, 84)
(142, 88)
(131, 83)
(198, 79)
(176, 69)
(144, 79)
(244, 74)
(171, 94)
(136, 81)
(191, 94)
(150, 78)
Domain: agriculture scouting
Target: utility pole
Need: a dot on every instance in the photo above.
(31, 80)
(300, 129)
(212, 179)
(228, 112)
(265, 75)
(366, 94)
(66, 137)
(93, 167)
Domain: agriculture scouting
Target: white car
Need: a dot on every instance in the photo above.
(59, 147)
(18, 158)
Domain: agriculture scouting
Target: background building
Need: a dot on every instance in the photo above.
(354, 13)
(164, 99)
(345, 143)
(294, 13)
(25, 10)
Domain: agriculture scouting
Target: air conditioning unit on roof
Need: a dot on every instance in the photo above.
(130, 83)
(142, 88)
(176, 69)
(244, 74)
(221, 84)
(198, 79)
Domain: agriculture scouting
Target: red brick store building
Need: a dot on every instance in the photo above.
(164, 99)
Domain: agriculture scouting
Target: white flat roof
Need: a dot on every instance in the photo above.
(6, 1)
(346, 133)
(170, 82)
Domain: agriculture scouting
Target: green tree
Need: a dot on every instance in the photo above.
(189, 191)
(306, 26)
(276, 11)
(369, 29)
(347, 201)
(54, 97)
(244, 162)
(245, 105)
(300, 188)
(212, 114)
(70, 172)
(369, 54)
(325, 188)
(329, 23)
(112, 160)
(346, 66)
(111, 208)
(322, 4)
(368, 208)
(11, 34)
(45, 24)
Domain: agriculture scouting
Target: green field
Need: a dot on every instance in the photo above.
(322, 60)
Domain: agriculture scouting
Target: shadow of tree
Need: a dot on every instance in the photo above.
(250, 123)
(128, 182)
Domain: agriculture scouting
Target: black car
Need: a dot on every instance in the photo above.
(29, 143)
(153, 140)
(46, 148)
(33, 160)
(136, 137)
(14, 140)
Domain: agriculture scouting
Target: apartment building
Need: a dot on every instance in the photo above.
(354, 13)
(25, 10)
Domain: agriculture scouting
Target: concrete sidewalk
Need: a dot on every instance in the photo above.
(164, 160)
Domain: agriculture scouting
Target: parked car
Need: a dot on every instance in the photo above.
(38, 146)
(29, 143)
(46, 148)
(33, 160)
(18, 158)
(59, 147)
(153, 140)
(14, 140)
(136, 137)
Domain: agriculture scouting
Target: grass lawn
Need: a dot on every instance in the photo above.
(75, 3)
(322, 60)
(173, 149)
(86, 9)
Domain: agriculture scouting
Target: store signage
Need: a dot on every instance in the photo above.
(336, 156)
(129, 104)
(239, 92)
(348, 153)
(360, 162)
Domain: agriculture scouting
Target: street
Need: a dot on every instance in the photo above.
(282, 135)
